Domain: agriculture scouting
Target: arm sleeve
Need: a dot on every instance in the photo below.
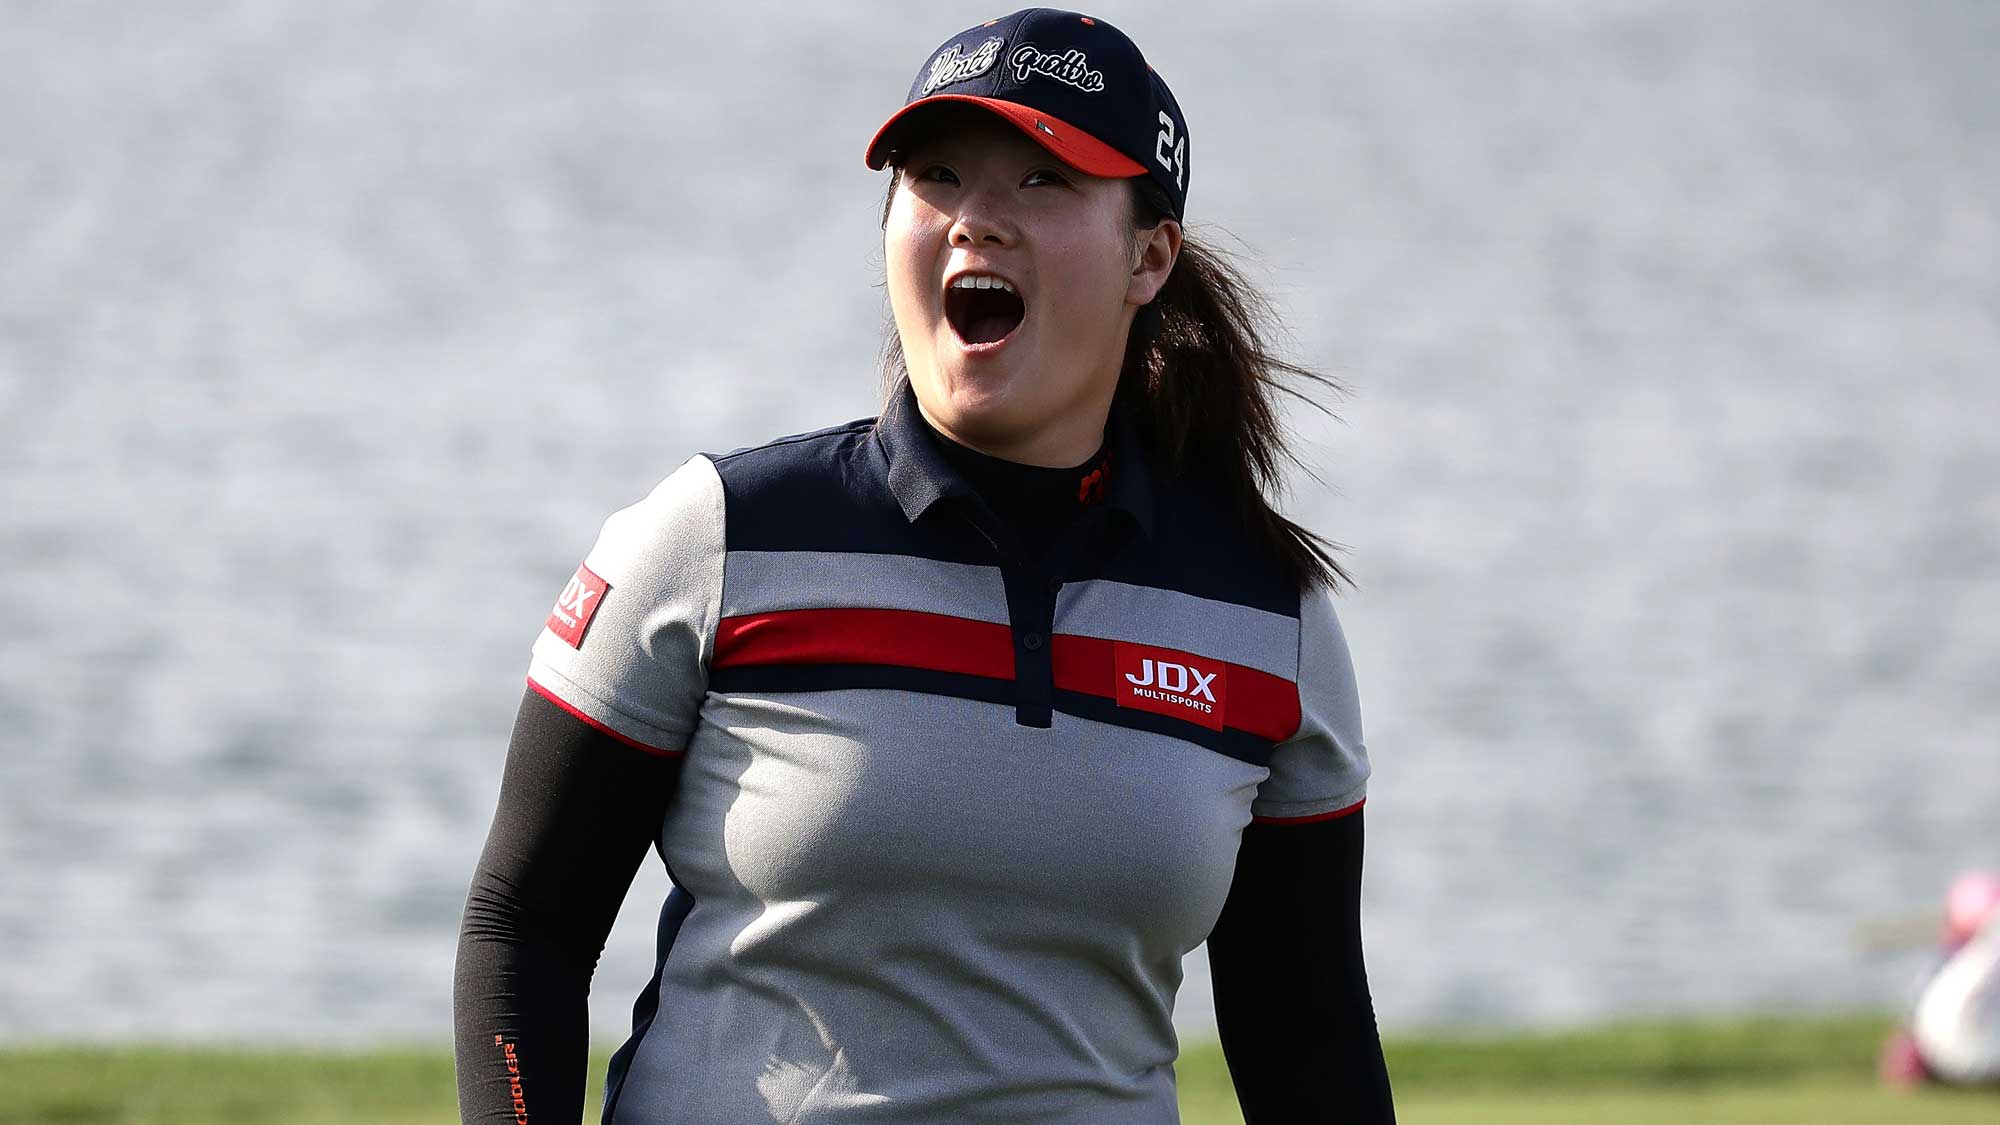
(577, 810)
(1292, 1005)
(1321, 771)
(616, 681)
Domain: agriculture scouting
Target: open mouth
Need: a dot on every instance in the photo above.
(983, 310)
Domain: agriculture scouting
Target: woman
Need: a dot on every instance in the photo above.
(957, 727)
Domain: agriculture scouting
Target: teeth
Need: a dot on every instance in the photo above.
(980, 281)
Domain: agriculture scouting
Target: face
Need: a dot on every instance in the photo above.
(1027, 375)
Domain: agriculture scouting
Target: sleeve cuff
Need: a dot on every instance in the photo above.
(1311, 817)
(557, 695)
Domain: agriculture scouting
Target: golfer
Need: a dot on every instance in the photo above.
(959, 726)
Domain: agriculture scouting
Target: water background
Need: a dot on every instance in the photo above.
(329, 334)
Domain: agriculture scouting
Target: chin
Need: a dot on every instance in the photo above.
(975, 391)
(974, 417)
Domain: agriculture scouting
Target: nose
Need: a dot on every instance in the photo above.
(981, 220)
(972, 229)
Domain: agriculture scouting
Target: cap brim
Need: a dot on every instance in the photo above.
(1071, 145)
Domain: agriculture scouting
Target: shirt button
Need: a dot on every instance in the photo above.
(1031, 641)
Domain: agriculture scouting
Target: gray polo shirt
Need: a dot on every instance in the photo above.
(948, 817)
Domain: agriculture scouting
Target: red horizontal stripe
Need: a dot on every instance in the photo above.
(1334, 815)
(1258, 702)
(906, 637)
(615, 736)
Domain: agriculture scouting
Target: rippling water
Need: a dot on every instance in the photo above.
(328, 337)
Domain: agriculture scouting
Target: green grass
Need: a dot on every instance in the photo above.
(1818, 1071)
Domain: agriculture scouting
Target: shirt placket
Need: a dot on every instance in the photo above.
(1033, 587)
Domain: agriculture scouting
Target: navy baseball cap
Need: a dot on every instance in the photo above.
(1074, 84)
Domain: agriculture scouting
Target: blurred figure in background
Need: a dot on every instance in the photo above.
(1953, 1031)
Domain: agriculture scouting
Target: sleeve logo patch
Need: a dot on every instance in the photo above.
(577, 606)
(1166, 682)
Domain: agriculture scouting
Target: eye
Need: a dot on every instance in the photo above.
(1050, 174)
(937, 171)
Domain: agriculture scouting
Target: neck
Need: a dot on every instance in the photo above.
(1053, 447)
(1036, 499)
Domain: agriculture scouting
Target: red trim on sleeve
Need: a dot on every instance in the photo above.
(1334, 815)
(615, 736)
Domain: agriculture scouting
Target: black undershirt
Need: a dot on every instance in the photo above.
(1037, 503)
(577, 812)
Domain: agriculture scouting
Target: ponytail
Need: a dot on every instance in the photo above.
(1201, 381)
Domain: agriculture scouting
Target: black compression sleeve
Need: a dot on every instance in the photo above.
(577, 811)
(1291, 992)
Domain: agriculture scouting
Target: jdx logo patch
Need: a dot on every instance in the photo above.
(1169, 683)
(578, 604)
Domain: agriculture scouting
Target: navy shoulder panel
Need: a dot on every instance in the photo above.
(826, 490)
(1199, 548)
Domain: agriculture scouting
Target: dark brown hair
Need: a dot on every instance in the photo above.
(1202, 381)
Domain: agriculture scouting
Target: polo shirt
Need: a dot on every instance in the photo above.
(949, 813)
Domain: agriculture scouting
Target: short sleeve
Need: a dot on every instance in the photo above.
(1321, 771)
(626, 647)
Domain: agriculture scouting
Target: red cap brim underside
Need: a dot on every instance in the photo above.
(1073, 146)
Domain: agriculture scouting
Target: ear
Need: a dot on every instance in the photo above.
(1157, 248)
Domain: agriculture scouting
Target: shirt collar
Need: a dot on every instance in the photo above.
(919, 476)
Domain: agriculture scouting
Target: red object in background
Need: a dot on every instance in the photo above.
(1974, 897)
(1899, 1064)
